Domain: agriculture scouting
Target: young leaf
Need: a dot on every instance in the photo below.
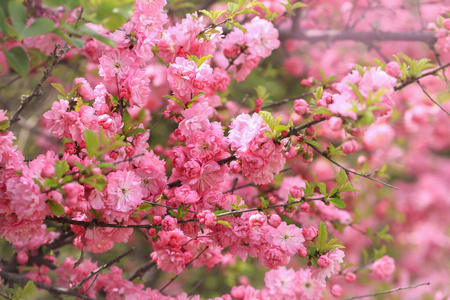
(18, 60)
(338, 203)
(56, 208)
(226, 223)
(39, 26)
(92, 142)
(323, 234)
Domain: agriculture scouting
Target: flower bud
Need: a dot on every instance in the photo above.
(275, 220)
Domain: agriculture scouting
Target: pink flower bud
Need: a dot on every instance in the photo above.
(235, 167)
(296, 191)
(257, 220)
(275, 220)
(361, 159)
(113, 155)
(309, 233)
(304, 207)
(129, 150)
(157, 220)
(55, 196)
(152, 232)
(259, 102)
(335, 123)
(350, 147)
(311, 130)
(22, 257)
(301, 107)
(302, 252)
(350, 277)
(324, 262)
(393, 69)
(169, 223)
(105, 121)
(446, 23)
(243, 280)
(384, 267)
(85, 89)
(336, 290)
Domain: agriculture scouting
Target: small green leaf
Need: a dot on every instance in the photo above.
(338, 203)
(226, 223)
(28, 289)
(136, 131)
(144, 207)
(59, 88)
(106, 165)
(56, 208)
(18, 14)
(18, 60)
(323, 234)
(232, 7)
(39, 26)
(50, 182)
(92, 142)
(314, 143)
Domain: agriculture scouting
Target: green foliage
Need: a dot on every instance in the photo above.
(56, 208)
(23, 293)
(18, 60)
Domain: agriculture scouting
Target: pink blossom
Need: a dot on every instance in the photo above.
(350, 277)
(118, 62)
(185, 195)
(349, 147)
(55, 119)
(274, 258)
(301, 107)
(262, 37)
(310, 233)
(274, 220)
(169, 223)
(384, 267)
(85, 89)
(288, 237)
(207, 218)
(169, 260)
(243, 130)
(257, 220)
(336, 290)
(124, 193)
(328, 264)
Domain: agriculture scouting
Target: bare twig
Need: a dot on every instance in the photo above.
(281, 102)
(389, 291)
(140, 272)
(19, 279)
(412, 80)
(37, 91)
(176, 276)
(347, 171)
(166, 206)
(94, 223)
(98, 270)
(432, 100)
(367, 37)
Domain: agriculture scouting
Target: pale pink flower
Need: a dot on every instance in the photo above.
(124, 193)
(330, 263)
(288, 237)
(262, 37)
(243, 130)
(384, 267)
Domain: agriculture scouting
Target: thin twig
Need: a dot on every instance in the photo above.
(389, 291)
(94, 223)
(347, 171)
(176, 276)
(37, 91)
(140, 272)
(98, 270)
(412, 80)
(432, 100)
(19, 279)
(166, 206)
(281, 102)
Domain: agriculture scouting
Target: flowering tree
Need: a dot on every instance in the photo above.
(240, 150)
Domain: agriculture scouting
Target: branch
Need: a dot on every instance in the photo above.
(57, 57)
(176, 276)
(16, 278)
(367, 37)
(432, 100)
(140, 272)
(278, 103)
(94, 223)
(106, 265)
(347, 171)
(390, 291)
(412, 80)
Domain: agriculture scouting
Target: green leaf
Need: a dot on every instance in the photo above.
(176, 100)
(18, 60)
(338, 203)
(106, 165)
(342, 178)
(59, 88)
(56, 208)
(28, 289)
(226, 223)
(2, 20)
(92, 142)
(144, 207)
(232, 7)
(314, 143)
(268, 118)
(323, 234)
(39, 26)
(202, 60)
(322, 189)
(136, 131)
(50, 183)
(18, 14)
(84, 30)
(323, 111)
